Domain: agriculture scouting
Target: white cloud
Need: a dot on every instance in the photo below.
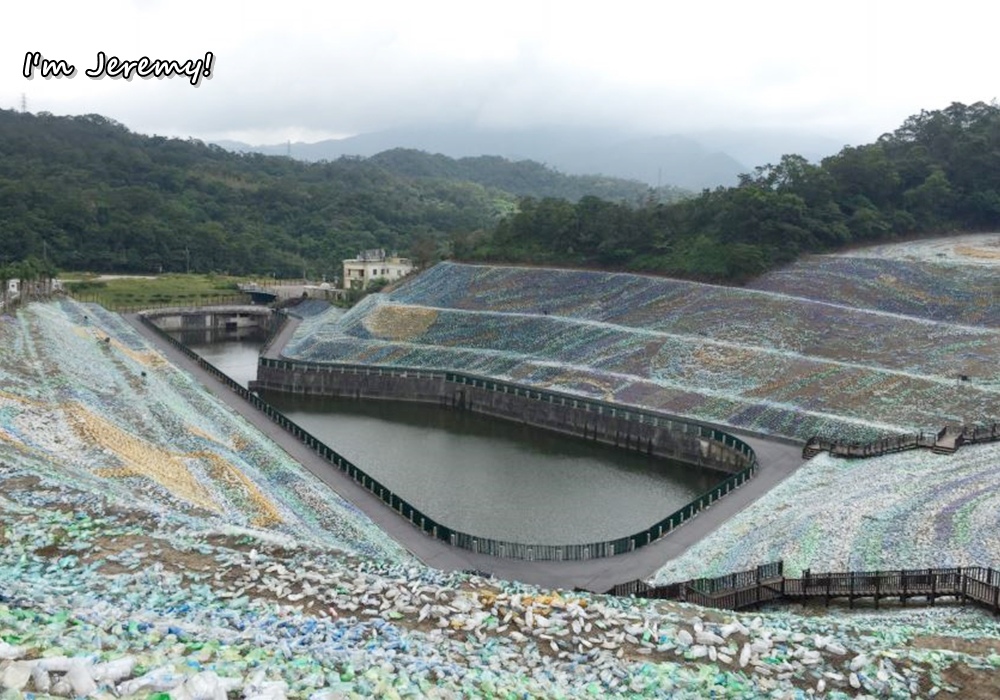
(321, 68)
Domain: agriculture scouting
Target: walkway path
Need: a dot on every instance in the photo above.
(777, 461)
(278, 342)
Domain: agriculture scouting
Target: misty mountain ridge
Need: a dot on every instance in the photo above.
(524, 178)
(693, 162)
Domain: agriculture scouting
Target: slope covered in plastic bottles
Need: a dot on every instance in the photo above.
(953, 279)
(909, 510)
(120, 576)
(85, 394)
(763, 361)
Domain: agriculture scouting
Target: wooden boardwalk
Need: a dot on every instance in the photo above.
(945, 441)
(767, 584)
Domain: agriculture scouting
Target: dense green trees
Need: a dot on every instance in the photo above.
(88, 194)
(35, 277)
(940, 171)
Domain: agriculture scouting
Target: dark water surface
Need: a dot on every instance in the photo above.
(484, 476)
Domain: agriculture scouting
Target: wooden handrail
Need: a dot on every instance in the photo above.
(965, 435)
(767, 584)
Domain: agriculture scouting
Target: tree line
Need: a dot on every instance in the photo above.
(938, 172)
(86, 193)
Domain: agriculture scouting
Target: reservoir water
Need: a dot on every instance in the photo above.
(484, 476)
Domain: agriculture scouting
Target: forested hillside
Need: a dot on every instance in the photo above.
(86, 193)
(938, 172)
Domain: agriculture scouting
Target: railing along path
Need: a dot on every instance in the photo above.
(768, 584)
(946, 441)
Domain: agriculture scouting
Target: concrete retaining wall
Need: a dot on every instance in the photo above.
(671, 438)
(217, 318)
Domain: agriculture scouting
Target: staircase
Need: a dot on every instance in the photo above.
(812, 448)
(948, 441)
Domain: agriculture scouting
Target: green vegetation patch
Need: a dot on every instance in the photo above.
(161, 290)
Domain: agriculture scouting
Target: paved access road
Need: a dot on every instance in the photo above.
(777, 461)
(273, 350)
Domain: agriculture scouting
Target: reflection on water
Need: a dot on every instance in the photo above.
(234, 352)
(481, 475)
(497, 478)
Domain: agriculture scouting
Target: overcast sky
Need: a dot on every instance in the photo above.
(312, 70)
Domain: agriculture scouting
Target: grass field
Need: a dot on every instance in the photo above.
(128, 291)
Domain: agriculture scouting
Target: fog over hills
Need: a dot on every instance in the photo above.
(695, 162)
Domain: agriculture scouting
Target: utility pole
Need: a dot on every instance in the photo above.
(24, 102)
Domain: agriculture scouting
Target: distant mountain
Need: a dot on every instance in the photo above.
(523, 177)
(674, 160)
(692, 162)
(454, 141)
(762, 146)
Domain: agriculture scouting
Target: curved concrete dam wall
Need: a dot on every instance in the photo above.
(703, 444)
(624, 427)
